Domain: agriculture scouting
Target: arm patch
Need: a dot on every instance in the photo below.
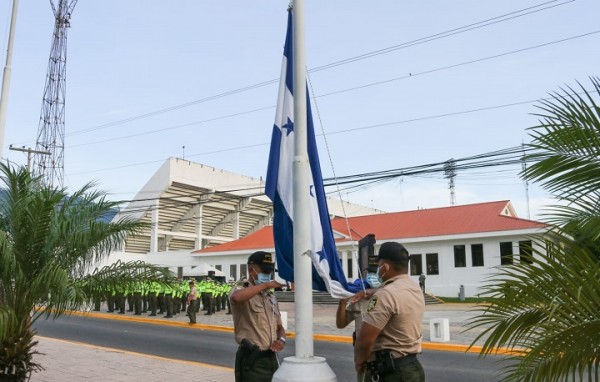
(372, 303)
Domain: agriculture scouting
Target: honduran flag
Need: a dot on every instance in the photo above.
(327, 270)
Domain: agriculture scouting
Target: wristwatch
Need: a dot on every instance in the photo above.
(282, 339)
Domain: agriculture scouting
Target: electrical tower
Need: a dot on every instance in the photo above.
(51, 129)
(450, 173)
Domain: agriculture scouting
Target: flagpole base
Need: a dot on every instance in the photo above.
(313, 369)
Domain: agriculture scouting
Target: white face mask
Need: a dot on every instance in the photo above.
(379, 275)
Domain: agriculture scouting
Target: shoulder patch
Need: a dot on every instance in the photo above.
(372, 303)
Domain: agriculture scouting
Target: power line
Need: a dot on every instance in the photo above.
(377, 83)
(503, 157)
(491, 21)
(436, 116)
(448, 33)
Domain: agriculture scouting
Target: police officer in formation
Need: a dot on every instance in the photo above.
(390, 336)
(165, 298)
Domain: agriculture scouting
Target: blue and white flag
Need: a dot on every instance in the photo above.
(327, 270)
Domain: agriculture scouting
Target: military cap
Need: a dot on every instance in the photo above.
(393, 251)
(264, 260)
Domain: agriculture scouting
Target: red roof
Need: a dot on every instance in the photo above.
(472, 218)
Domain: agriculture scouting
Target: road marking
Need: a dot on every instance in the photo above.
(319, 337)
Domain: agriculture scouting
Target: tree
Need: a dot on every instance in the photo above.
(548, 311)
(49, 243)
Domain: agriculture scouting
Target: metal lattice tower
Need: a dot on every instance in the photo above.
(450, 174)
(51, 129)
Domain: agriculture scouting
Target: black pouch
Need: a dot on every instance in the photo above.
(252, 352)
(384, 362)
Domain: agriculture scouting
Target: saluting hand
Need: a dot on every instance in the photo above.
(274, 284)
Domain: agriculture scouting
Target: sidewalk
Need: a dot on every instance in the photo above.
(71, 361)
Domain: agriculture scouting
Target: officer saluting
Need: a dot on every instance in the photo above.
(257, 321)
(390, 336)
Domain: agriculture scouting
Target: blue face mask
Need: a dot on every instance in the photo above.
(262, 278)
(373, 280)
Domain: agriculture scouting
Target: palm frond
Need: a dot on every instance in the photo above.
(49, 243)
(550, 309)
(566, 144)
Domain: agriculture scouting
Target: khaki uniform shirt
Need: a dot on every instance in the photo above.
(397, 309)
(256, 319)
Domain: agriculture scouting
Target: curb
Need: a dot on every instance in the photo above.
(318, 337)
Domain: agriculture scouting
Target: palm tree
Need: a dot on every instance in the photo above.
(49, 242)
(548, 310)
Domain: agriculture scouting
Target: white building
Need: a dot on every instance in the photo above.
(452, 246)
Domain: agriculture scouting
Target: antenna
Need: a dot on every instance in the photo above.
(51, 128)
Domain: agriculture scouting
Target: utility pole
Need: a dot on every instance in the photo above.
(30, 153)
(526, 182)
(6, 76)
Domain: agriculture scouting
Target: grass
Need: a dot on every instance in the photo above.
(468, 300)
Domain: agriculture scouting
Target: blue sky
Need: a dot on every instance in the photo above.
(129, 58)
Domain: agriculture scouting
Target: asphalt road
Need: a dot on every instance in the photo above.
(219, 348)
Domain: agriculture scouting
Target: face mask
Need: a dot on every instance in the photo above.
(262, 278)
(380, 276)
(373, 280)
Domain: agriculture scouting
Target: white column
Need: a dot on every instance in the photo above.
(345, 264)
(198, 214)
(236, 226)
(154, 228)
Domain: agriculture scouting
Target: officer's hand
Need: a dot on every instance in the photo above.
(277, 346)
(357, 297)
(360, 368)
(275, 285)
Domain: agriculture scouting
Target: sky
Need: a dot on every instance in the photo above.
(146, 78)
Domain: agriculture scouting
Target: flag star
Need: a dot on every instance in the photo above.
(322, 255)
(289, 126)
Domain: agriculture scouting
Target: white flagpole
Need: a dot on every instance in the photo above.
(302, 260)
(6, 76)
(304, 366)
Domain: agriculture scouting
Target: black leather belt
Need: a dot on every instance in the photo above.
(257, 353)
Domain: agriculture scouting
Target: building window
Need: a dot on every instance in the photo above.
(477, 255)
(243, 270)
(349, 262)
(219, 267)
(416, 266)
(506, 253)
(526, 251)
(233, 272)
(460, 257)
(431, 260)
